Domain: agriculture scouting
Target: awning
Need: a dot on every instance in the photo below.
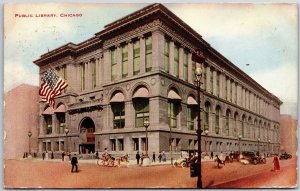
(191, 101)
(61, 108)
(48, 111)
(141, 92)
(173, 95)
(118, 97)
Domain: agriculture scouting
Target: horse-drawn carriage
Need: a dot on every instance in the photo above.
(108, 160)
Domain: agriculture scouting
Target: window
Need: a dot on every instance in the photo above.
(185, 66)
(191, 115)
(148, 53)
(217, 120)
(113, 144)
(64, 74)
(141, 106)
(173, 108)
(93, 73)
(119, 115)
(218, 84)
(206, 116)
(136, 57)
(62, 145)
(124, 60)
(226, 89)
(243, 126)
(121, 144)
(82, 79)
(48, 120)
(177, 146)
(176, 60)
(135, 144)
(144, 144)
(113, 64)
(44, 146)
(236, 93)
(193, 72)
(167, 55)
(211, 81)
(204, 77)
(61, 121)
(227, 122)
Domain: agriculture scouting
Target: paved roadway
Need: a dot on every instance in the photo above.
(56, 174)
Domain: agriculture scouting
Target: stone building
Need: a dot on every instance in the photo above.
(140, 68)
(288, 134)
(21, 114)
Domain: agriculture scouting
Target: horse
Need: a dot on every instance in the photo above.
(106, 160)
(122, 159)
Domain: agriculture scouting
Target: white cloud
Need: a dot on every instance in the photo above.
(16, 73)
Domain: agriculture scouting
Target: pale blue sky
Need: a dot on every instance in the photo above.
(263, 36)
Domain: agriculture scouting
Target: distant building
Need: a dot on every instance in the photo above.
(288, 134)
(21, 114)
(140, 68)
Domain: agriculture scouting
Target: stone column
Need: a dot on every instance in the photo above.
(54, 125)
(158, 50)
(130, 115)
(214, 90)
(222, 86)
(171, 54)
(130, 58)
(142, 55)
(208, 73)
(86, 76)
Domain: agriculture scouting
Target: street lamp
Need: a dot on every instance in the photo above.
(199, 58)
(66, 131)
(146, 125)
(240, 137)
(29, 135)
(206, 133)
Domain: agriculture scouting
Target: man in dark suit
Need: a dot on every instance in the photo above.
(74, 163)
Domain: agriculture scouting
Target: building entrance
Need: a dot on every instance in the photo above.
(87, 137)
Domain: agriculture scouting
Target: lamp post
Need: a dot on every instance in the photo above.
(146, 125)
(206, 133)
(199, 58)
(29, 135)
(66, 131)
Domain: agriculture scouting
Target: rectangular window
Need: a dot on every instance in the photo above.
(177, 145)
(136, 57)
(218, 84)
(124, 60)
(82, 79)
(148, 49)
(64, 74)
(211, 81)
(62, 146)
(135, 144)
(44, 146)
(167, 55)
(185, 66)
(121, 144)
(226, 88)
(176, 60)
(48, 120)
(191, 115)
(113, 64)
(172, 114)
(93, 73)
(193, 72)
(144, 144)
(113, 144)
(119, 115)
(204, 78)
(141, 111)
(56, 146)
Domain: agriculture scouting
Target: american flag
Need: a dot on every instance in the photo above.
(51, 87)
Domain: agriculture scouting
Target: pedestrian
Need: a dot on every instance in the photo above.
(52, 155)
(24, 155)
(219, 161)
(164, 158)
(211, 155)
(276, 162)
(153, 157)
(137, 156)
(91, 154)
(97, 155)
(159, 157)
(74, 163)
(43, 155)
(63, 156)
(142, 158)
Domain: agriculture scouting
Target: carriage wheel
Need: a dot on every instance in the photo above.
(100, 162)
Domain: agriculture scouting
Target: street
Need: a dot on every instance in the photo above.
(57, 174)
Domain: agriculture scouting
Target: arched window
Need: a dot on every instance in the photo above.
(236, 116)
(118, 109)
(217, 120)
(243, 126)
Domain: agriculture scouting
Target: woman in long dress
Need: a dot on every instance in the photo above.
(276, 162)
